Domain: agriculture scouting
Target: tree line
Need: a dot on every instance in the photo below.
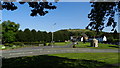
(11, 33)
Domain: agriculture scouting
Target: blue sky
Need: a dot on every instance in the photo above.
(72, 15)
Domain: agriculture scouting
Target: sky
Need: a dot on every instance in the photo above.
(68, 15)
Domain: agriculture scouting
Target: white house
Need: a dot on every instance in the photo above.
(81, 39)
(104, 38)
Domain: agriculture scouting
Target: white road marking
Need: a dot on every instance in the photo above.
(20, 53)
(25, 50)
(15, 53)
(29, 52)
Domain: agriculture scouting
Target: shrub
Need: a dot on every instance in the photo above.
(8, 44)
(32, 43)
(44, 44)
(49, 44)
(18, 43)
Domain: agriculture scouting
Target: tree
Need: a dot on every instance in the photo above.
(0, 33)
(44, 36)
(38, 8)
(34, 35)
(28, 35)
(115, 32)
(90, 33)
(20, 36)
(49, 37)
(102, 12)
(9, 37)
(39, 36)
(9, 30)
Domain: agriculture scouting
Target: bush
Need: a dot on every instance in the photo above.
(44, 44)
(49, 44)
(18, 43)
(8, 44)
(32, 43)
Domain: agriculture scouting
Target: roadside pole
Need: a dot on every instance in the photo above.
(52, 39)
(53, 35)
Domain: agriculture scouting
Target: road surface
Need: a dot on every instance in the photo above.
(30, 51)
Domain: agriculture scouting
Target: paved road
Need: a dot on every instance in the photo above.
(29, 51)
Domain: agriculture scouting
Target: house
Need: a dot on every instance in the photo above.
(100, 39)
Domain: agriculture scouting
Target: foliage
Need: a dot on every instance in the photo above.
(9, 30)
(38, 8)
(20, 36)
(8, 44)
(49, 44)
(102, 12)
(44, 44)
(8, 25)
(9, 37)
(111, 37)
(18, 43)
(32, 43)
(59, 36)
(33, 36)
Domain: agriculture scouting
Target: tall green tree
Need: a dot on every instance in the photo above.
(9, 30)
(49, 37)
(20, 36)
(28, 35)
(34, 35)
(38, 36)
(0, 33)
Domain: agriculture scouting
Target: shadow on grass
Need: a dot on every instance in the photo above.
(117, 46)
(45, 61)
(89, 46)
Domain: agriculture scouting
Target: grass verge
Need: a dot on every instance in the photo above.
(100, 46)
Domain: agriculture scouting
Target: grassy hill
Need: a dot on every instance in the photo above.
(79, 30)
(76, 30)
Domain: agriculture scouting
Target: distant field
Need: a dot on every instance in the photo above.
(65, 60)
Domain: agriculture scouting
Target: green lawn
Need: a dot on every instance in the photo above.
(101, 46)
(65, 60)
(109, 58)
